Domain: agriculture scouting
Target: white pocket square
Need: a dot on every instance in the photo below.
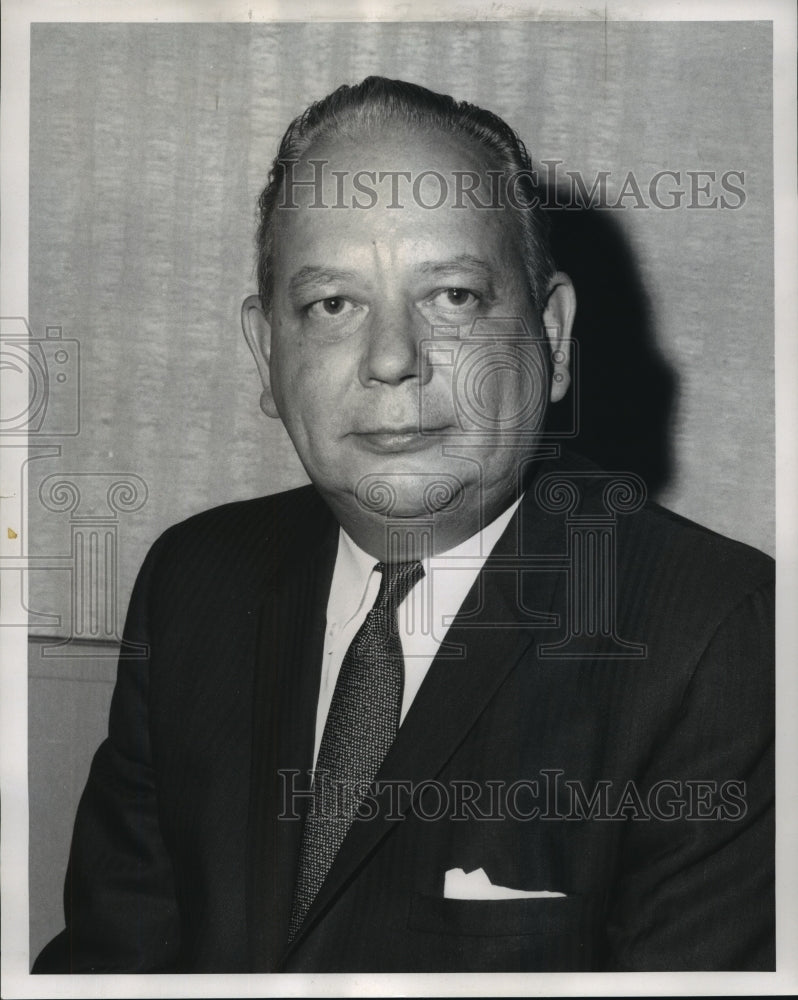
(459, 884)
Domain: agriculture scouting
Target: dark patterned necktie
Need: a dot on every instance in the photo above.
(360, 728)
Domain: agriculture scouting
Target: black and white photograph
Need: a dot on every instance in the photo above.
(398, 544)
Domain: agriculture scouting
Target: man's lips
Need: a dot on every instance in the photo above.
(399, 439)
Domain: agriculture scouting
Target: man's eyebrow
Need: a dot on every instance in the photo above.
(312, 274)
(460, 262)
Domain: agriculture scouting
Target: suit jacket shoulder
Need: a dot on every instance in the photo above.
(663, 560)
(245, 529)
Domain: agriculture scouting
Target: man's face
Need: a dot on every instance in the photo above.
(367, 386)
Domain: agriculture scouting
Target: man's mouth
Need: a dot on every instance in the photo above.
(387, 440)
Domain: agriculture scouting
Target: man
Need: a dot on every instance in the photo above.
(539, 710)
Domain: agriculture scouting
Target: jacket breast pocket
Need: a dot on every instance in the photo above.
(561, 934)
(498, 917)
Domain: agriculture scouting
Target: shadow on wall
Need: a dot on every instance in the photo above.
(626, 388)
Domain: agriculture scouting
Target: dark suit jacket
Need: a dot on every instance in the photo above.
(180, 861)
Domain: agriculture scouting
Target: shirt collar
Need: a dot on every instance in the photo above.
(479, 545)
(354, 566)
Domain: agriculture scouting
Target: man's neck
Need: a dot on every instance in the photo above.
(398, 539)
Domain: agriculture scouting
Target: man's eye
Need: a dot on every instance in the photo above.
(335, 305)
(455, 297)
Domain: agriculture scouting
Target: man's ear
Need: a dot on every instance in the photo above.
(558, 318)
(258, 335)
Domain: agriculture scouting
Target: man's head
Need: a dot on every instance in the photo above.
(410, 321)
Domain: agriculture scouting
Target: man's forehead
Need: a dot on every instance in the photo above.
(314, 248)
(398, 143)
(391, 169)
(415, 201)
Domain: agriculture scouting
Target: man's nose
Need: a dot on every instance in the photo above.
(393, 350)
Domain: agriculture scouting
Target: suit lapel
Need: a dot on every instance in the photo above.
(287, 672)
(493, 639)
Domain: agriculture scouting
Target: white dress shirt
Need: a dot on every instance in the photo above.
(424, 615)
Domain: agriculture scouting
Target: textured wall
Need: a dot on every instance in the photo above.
(68, 702)
(149, 145)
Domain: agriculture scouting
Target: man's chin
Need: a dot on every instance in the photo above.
(410, 495)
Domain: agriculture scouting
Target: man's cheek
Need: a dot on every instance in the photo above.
(437, 401)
